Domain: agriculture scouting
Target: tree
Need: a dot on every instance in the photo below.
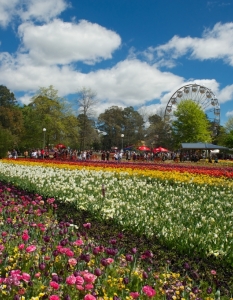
(11, 118)
(6, 141)
(191, 124)
(86, 103)
(7, 98)
(229, 139)
(116, 121)
(88, 135)
(229, 125)
(158, 132)
(133, 126)
(48, 110)
(111, 123)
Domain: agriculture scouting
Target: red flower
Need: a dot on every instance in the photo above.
(25, 236)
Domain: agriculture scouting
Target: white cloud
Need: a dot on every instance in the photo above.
(229, 114)
(132, 82)
(42, 10)
(39, 10)
(62, 43)
(216, 43)
(7, 11)
(129, 83)
(226, 94)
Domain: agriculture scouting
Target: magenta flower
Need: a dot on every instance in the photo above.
(50, 200)
(149, 291)
(109, 260)
(72, 262)
(213, 272)
(89, 286)
(87, 225)
(78, 243)
(79, 287)
(69, 253)
(25, 236)
(54, 285)
(71, 280)
(89, 297)
(26, 277)
(30, 248)
(89, 277)
(54, 297)
(79, 280)
(134, 295)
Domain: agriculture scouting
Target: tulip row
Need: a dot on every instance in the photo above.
(171, 172)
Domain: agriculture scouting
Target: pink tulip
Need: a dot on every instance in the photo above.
(30, 248)
(54, 285)
(87, 225)
(79, 287)
(78, 243)
(89, 297)
(79, 280)
(89, 277)
(72, 262)
(109, 260)
(89, 286)
(21, 246)
(149, 291)
(26, 277)
(71, 280)
(54, 297)
(25, 236)
(69, 253)
(37, 275)
(134, 295)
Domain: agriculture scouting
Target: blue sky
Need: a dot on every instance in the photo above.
(129, 52)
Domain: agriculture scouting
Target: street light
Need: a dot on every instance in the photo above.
(122, 137)
(44, 130)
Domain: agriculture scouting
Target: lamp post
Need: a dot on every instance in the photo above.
(44, 130)
(122, 137)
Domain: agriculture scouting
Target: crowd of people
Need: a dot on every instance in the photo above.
(70, 154)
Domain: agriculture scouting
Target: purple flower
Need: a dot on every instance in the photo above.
(98, 272)
(129, 257)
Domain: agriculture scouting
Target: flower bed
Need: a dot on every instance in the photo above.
(43, 258)
(177, 207)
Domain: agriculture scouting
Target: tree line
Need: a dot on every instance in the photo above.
(49, 120)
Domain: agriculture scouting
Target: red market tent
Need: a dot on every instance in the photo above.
(160, 149)
(144, 148)
(60, 146)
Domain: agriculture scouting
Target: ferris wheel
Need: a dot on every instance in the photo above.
(200, 95)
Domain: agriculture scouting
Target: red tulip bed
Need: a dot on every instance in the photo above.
(210, 169)
(51, 248)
